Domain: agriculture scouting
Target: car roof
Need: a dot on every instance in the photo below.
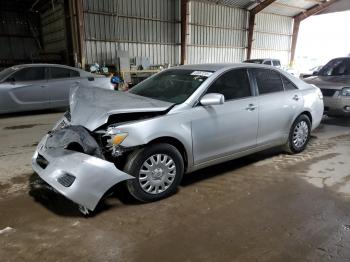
(47, 65)
(219, 66)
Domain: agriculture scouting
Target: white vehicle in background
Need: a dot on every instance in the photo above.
(274, 63)
(43, 86)
(311, 72)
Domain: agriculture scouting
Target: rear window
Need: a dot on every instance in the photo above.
(59, 72)
(288, 85)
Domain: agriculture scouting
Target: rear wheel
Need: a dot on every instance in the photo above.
(299, 135)
(158, 170)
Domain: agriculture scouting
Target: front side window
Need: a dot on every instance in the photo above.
(336, 67)
(233, 85)
(59, 72)
(267, 62)
(173, 85)
(268, 81)
(29, 74)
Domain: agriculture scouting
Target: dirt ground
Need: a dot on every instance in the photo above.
(265, 207)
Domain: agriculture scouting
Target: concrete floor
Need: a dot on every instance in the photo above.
(265, 207)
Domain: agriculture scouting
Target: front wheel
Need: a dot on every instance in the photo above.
(299, 135)
(158, 170)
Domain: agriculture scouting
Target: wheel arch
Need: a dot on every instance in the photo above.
(174, 142)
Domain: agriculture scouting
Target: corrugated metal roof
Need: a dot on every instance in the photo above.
(280, 7)
(233, 3)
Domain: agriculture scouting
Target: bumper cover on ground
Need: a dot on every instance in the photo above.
(92, 176)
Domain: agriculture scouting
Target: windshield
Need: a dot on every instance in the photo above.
(174, 85)
(255, 61)
(336, 67)
(4, 73)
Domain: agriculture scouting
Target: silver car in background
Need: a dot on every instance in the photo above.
(175, 122)
(334, 81)
(42, 86)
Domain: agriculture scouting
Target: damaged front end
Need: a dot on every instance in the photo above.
(71, 161)
(82, 157)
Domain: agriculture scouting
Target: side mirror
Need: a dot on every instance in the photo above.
(212, 99)
(315, 73)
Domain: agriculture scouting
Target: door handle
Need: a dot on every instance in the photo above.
(42, 86)
(296, 97)
(251, 107)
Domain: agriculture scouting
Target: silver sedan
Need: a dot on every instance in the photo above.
(175, 122)
(42, 86)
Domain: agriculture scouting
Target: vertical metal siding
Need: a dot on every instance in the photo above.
(148, 28)
(217, 33)
(53, 29)
(272, 37)
(17, 44)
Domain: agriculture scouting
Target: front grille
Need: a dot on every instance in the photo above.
(328, 92)
(41, 161)
(66, 180)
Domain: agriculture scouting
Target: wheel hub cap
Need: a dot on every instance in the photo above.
(300, 134)
(157, 173)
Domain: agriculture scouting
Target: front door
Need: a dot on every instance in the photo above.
(29, 88)
(221, 130)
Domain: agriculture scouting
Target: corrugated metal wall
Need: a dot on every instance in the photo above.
(17, 44)
(148, 28)
(217, 33)
(53, 29)
(272, 37)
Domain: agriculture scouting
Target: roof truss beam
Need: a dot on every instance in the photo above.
(257, 9)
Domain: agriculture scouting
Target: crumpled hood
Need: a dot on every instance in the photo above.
(90, 107)
(331, 82)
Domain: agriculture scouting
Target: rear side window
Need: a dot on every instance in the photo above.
(288, 85)
(59, 72)
(276, 63)
(267, 62)
(29, 74)
(233, 85)
(268, 81)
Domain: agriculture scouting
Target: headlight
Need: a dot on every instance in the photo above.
(114, 138)
(117, 139)
(345, 91)
(62, 123)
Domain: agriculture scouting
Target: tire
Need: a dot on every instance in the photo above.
(299, 135)
(160, 178)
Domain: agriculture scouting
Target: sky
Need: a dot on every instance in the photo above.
(323, 37)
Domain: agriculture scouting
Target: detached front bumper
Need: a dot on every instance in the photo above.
(82, 178)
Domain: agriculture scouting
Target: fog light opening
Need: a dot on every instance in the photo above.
(347, 108)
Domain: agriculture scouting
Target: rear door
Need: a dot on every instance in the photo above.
(221, 130)
(61, 80)
(279, 101)
(29, 88)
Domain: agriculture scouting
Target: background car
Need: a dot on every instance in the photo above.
(175, 122)
(310, 72)
(265, 61)
(334, 81)
(41, 86)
